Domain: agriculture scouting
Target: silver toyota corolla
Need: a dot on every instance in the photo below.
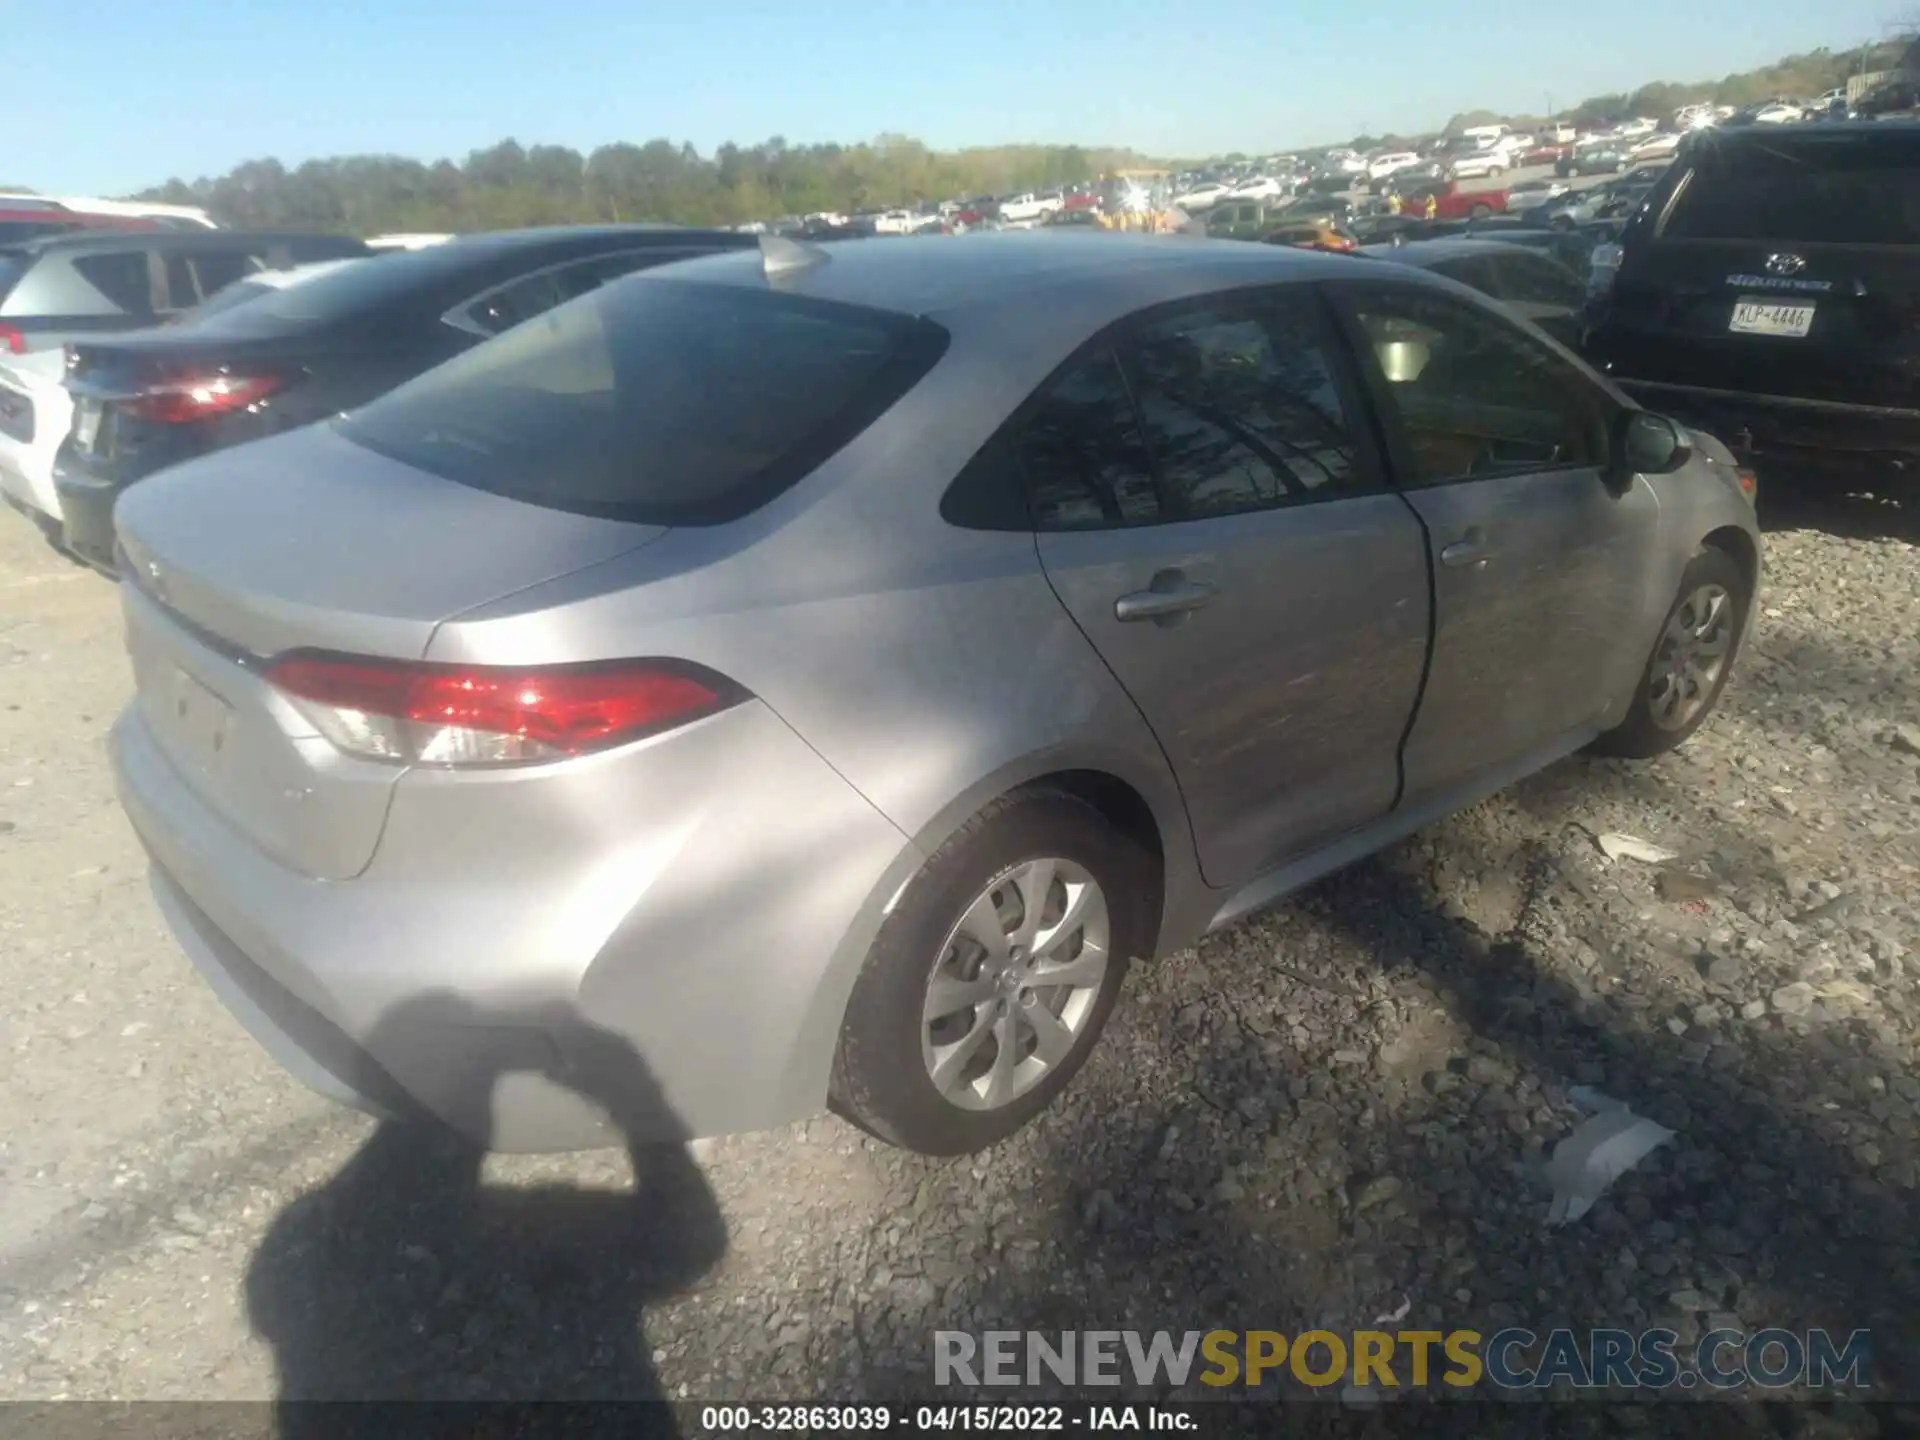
(819, 670)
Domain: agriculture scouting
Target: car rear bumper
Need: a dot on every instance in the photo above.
(689, 983)
(1788, 430)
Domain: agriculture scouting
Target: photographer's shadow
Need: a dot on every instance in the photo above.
(404, 1277)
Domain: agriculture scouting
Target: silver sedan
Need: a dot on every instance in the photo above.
(809, 676)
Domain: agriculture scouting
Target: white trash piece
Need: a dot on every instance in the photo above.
(1614, 846)
(1599, 1151)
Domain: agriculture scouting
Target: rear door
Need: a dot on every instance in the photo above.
(1540, 570)
(1210, 512)
(1782, 265)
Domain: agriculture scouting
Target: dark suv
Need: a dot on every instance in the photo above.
(65, 287)
(1768, 291)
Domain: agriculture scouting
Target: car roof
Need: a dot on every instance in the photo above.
(946, 277)
(85, 240)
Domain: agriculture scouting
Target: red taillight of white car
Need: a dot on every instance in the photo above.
(476, 715)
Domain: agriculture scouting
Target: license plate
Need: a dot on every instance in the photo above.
(201, 720)
(1755, 317)
(86, 423)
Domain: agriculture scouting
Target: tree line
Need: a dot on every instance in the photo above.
(512, 185)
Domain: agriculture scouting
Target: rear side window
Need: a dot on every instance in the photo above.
(508, 305)
(1085, 463)
(216, 270)
(120, 277)
(664, 403)
(1857, 194)
(1537, 280)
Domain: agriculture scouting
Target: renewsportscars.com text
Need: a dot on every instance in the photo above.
(1509, 1359)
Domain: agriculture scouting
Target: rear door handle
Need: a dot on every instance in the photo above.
(1170, 595)
(1472, 549)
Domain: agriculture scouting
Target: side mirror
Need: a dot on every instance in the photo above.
(1648, 444)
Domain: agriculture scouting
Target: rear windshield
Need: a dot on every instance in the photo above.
(654, 400)
(1857, 194)
(12, 267)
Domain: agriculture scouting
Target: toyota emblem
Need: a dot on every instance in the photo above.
(1786, 264)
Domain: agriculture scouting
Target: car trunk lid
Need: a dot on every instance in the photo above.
(310, 542)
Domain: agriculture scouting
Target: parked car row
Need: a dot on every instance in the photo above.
(163, 361)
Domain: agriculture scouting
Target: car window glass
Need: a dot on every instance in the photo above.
(1861, 194)
(1474, 396)
(1081, 453)
(121, 276)
(217, 270)
(659, 402)
(1239, 407)
(181, 293)
(522, 299)
(1538, 280)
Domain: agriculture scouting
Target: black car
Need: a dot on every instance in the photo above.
(1767, 291)
(317, 348)
(1532, 284)
(1895, 100)
(64, 287)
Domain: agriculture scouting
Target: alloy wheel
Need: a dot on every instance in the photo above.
(1013, 990)
(1691, 657)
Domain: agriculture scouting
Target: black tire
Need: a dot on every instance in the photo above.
(880, 1079)
(1640, 736)
(1480, 212)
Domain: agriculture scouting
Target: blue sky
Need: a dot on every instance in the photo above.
(113, 95)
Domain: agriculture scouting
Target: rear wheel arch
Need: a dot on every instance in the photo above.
(1128, 811)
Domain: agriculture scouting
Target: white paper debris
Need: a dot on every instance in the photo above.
(1614, 845)
(1394, 1317)
(1602, 1149)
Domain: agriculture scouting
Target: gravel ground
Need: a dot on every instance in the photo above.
(1318, 1116)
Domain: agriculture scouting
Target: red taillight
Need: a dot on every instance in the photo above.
(199, 397)
(484, 715)
(12, 340)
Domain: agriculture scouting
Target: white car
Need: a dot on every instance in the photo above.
(1028, 208)
(1261, 187)
(1494, 160)
(1382, 166)
(1636, 128)
(36, 411)
(895, 222)
(1778, 115)
(186, 217)
(1655, 147)
(1530, 193)
(1200, 197)
(35, 414)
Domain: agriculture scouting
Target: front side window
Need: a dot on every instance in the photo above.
(1472, 395)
